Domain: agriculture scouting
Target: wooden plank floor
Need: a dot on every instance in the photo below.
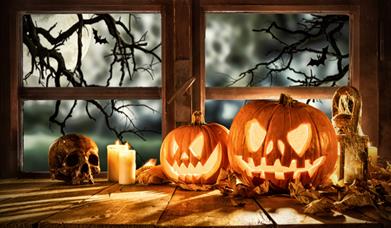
(47, 203)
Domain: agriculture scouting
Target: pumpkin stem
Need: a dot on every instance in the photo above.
(286, 99)
(197, 118)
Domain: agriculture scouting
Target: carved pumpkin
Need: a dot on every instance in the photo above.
(194, 153)
(281, 141)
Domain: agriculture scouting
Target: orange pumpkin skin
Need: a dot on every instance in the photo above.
(281, 141)
(195, 153)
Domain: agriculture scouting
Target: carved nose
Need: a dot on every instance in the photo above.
(184, 157)
(84, 168)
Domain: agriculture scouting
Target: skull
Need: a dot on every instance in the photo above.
(74, 158)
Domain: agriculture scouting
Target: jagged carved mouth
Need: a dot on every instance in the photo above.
(280, 172)
(188, 172)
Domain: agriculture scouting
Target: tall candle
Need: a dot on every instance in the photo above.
(127, 167)
(112, 160)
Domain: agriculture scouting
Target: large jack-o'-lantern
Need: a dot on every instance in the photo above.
(194, 154)
(281, 141)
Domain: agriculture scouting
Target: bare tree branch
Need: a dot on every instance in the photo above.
(51, 66)
(321, 27)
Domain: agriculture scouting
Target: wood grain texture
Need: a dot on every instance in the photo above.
(280, 8)
(253, 93)
(198, 61)
(183, 59)
(385, 80)
(211, 209)
(116, 205)
(168, 90)
(87, 93)
(13, 188)
(8, 161)
(29, 208)
(48, 203)
(286, 211)
(368, 74)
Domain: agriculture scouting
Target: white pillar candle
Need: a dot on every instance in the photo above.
(112, 160)
(127, 167)
(372, 154)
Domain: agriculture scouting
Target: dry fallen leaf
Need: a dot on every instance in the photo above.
(323, 205)
(151, 175)
(302, 194)
(195, 187)
(230, 184)
(354, 199)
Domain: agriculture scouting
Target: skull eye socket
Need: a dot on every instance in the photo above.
(300, 138)
(72, 159)
(93, 159)
(255, 134)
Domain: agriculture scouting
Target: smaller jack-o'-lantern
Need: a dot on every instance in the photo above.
(194, 153)
(281, 141)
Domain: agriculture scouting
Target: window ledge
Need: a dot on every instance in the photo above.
(43, 202)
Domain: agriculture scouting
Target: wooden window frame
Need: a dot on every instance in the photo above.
(85, 93)
(183, 28)
(361, 49)
(246, 93)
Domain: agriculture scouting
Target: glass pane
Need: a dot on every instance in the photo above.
(257, 49)
(224, 111)
(111, 50)
(139, 121)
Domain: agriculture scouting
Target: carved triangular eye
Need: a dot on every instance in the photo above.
(175, 147)
(300, 138)
(255, 134)
(197, 145)
(281, 147)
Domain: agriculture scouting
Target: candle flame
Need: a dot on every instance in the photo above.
(117, 142)
(128, 145)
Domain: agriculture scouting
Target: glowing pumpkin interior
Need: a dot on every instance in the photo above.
(280, 142)
(298, 139)
(195, 154)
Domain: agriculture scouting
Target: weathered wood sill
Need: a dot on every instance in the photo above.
(47, 203)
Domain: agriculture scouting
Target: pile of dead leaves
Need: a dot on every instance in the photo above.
(229, 184)
(150, 173)
(376, 193)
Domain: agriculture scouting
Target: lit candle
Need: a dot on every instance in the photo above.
(372, 154)
(112, 160)
(127, 166)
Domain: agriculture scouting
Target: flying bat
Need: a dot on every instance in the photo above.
(321, 58)
(99, 39)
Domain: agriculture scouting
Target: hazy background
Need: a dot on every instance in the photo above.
(232, 47)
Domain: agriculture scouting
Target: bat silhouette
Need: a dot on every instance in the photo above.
(99, 39)
(321, 58)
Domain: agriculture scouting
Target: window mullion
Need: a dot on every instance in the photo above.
(86, 93)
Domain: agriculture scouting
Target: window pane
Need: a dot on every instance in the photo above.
(131, 58)
(258, 49)
(224, 111)
(39, 132)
